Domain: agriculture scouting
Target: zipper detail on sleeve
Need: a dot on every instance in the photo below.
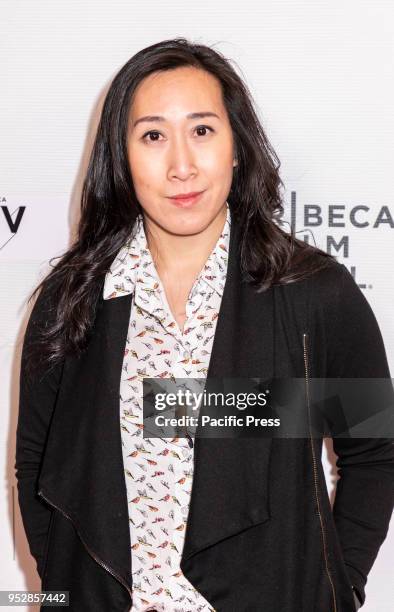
(315, 473)
(91, 553)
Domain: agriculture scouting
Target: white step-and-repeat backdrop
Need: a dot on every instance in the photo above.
(322, 75)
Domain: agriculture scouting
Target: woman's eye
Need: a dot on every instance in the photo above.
(148, 133)
(156, 134)
(204, 127)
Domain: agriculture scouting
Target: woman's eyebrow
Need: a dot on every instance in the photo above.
(200, 115)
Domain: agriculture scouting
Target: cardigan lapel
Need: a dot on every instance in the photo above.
(230, 482)
(82, 473)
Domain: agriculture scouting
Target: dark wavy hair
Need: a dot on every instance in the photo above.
(109, 207)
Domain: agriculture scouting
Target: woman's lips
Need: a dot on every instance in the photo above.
(186, 202)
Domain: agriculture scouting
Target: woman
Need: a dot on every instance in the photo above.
(158, 284)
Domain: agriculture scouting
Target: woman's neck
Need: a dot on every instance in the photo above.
(182, 257)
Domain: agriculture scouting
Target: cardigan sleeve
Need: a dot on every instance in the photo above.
(37, 396)
(364, 499)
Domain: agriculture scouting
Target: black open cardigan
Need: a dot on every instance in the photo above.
(261, 534)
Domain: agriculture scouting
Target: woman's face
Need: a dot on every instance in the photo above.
(178, 153)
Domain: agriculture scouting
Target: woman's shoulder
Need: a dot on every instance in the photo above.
(316, 270)
(45, 297)
(334, 284)
(330, 289)
(337, 305)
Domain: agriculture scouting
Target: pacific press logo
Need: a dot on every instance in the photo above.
(329, 219)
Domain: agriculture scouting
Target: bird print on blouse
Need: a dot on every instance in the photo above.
(159, 471)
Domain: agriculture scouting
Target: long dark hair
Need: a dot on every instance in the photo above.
(109, 206)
